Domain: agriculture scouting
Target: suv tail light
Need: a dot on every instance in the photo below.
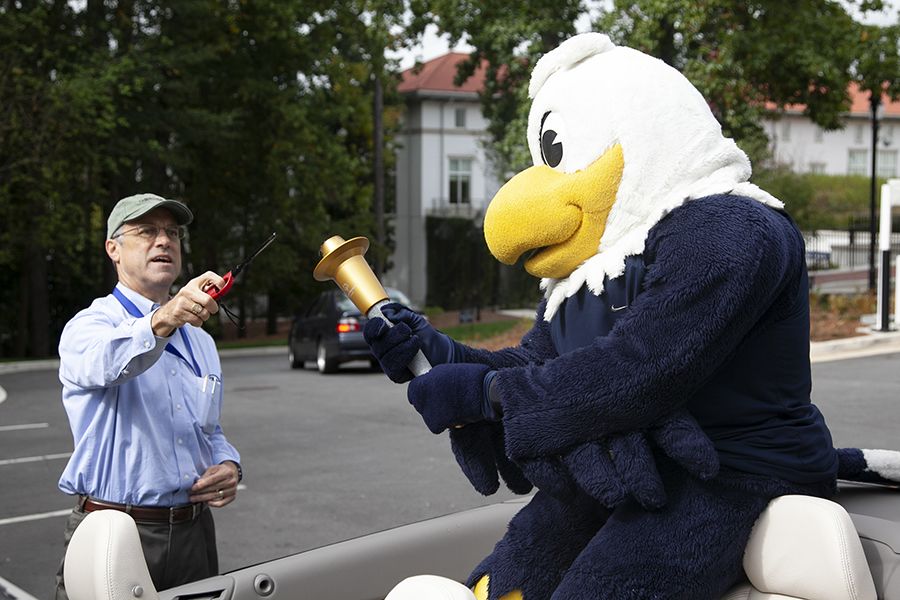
(348, 324)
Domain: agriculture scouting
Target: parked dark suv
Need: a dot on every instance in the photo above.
(329, 331)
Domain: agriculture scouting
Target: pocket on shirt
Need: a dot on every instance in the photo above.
(207, 402)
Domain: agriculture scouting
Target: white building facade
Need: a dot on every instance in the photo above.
(805, 147)
(444, 170)
(442, 166)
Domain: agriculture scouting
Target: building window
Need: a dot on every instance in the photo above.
(786, 131)
(857, 162)
(460, 118)
(817, 168)
(886, 134)
(460, 180)
(887, 163)
(860, 130)
(818, 135)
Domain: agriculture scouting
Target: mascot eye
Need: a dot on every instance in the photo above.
(551, 149)
(552, 134)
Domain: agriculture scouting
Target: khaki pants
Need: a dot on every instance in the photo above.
(175, 554)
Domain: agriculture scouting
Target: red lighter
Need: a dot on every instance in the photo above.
(230, 276)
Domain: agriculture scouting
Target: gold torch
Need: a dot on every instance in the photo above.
(343, 262)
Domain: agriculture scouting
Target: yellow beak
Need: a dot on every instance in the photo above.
(560, 215)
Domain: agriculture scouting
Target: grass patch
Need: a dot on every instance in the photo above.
(473, 332)
(251, 343)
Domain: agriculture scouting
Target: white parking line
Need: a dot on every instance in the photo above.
(23, 426)
(2, 394)
(8, 590)
(28, 459)
(35, 516)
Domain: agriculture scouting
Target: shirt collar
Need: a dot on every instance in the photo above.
(145, 305)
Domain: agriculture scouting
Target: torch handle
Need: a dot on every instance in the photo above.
(419, 365)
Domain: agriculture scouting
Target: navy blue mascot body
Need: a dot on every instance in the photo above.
(662, 398)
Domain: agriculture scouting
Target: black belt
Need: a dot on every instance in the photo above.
(147, 514)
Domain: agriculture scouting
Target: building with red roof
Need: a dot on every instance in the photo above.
(806, 148)
(442, 166)
(444, 170)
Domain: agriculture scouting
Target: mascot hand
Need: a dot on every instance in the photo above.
(480, 453)
(680, 437)
(622, 465)
(451, 395)
(394, 347)
(437, 347)
(610, 470)
(549, 475)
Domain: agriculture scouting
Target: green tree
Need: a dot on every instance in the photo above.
(57, 95)
(745, 58)
(257, 114)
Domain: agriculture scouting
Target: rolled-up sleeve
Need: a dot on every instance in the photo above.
(96, 353)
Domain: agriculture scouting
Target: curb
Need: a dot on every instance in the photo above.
(52, 364)
(867, 344)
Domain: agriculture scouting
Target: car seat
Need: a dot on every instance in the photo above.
(804, 547)
(104, 560)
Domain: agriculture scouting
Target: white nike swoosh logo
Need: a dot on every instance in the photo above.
(618, 308)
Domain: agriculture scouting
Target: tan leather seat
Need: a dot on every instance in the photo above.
(104, 560)
(807, 548)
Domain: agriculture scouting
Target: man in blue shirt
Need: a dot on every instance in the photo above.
(143, 394)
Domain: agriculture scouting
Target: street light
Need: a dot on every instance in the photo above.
(877, 111)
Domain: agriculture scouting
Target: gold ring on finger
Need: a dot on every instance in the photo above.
(196, 308)
(221, 494)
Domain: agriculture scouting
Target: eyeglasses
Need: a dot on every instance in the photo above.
(151, 232)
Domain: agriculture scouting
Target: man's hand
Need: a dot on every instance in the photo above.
(217, 486)
(190, 305)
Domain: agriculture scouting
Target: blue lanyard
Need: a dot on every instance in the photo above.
(134, 311)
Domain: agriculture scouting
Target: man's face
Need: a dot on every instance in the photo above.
(147, 264)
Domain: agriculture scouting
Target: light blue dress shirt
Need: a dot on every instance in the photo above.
(145, 425)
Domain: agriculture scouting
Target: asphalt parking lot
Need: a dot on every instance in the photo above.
(328, 457)
(325, 458)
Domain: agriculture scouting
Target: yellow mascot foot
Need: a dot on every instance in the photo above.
(481, 591)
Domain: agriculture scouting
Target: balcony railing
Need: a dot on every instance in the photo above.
(442, 207)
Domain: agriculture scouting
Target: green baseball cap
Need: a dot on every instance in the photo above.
(132, 207)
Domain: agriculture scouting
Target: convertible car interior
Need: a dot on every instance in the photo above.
(801, 548)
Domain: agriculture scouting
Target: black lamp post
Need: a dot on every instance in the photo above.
(875, 103)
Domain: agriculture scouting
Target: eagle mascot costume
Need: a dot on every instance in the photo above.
(662, 398)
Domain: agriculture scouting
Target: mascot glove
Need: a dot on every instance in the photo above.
(611, 470)
(480, 453)
(451, 395)
(623, 465)
(394, 347)
(680, 438)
